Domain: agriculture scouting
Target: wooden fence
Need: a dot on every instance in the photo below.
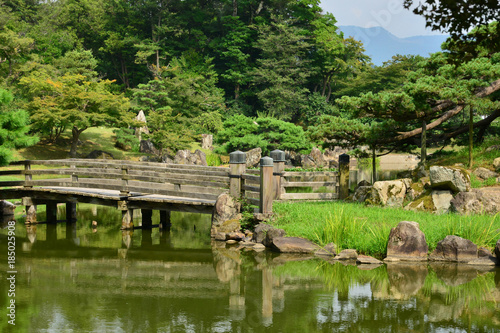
(125, 176)
(259, 187)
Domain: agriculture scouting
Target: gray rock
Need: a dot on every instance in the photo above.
(100, 154)
(454, 249)
(294, 245)
(253, 157)
(328, 250)
(389, 193)
(450, 178)
(189, 158)
(497, 249)
(347, 254)
(307, 161)
(147, 147)
(237, 236)
(407, 243)
(226, 214)
(317, 157)
(484, 173)
(207, 141)
(442, 201)
(7, 207)
(475, 202)
(220, 236)
(367, 260)
(484, 252)
(271, 234)
(362, 193)
(259, 234)
(493, 148)
(496, 164)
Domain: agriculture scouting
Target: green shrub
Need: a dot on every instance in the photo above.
(126, 139)
(244, 133)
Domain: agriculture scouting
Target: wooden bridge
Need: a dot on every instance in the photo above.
(130, 185)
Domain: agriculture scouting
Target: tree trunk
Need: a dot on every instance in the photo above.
(423, 143)
(374, 165)
(235, 7)
(471, 135)
(74, 141)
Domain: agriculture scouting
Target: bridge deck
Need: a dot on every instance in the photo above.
(134, 200)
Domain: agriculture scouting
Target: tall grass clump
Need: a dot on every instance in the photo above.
(480, 233)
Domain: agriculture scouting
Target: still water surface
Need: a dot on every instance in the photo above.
(103, 280)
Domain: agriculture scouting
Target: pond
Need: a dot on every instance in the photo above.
(106, 280)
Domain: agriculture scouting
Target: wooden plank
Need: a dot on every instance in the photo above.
(308, 184)
(309, 196)
(11, 172)
(253, 201)
(310, 173)
(251, 178)
(252, 195)
(253, 171)
(251, 188)
(12, 183)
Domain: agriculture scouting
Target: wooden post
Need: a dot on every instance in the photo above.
(147, 218)
(74, 176)
(30, 208)
(266, 185)
(165, 223)
(127, 219)
(28, 178)
(237, 165)
(344, 176)
(124, 191)
(51, 210)
(278, 157)
(70, 212)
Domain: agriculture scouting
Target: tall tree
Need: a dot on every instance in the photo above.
(14, 128)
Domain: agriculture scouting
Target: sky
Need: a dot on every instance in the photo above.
(389, 14)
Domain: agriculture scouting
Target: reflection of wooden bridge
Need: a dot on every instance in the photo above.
(147, 186)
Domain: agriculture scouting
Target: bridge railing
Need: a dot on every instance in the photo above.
(125, 176)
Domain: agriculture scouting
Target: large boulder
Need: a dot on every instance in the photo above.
(294, 245)
(483, 173)
(362, 193)
(306, 161)
(226, 215)
(475, 202)
(7, 207)
(389, 193)
(407, 242)
(450, 178)
(435, 201)
(454, 249)
(147, 147)
(253, 157)
(141, 117)
(187, 157)
(318, 158)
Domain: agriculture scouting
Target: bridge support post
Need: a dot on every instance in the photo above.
(344, 176)
(237, 165)
(278, 157)
(266, 185)
(165, 223)
(127, 215)
(147, 218)
(70, 212)
(51, 210)
(30, 208)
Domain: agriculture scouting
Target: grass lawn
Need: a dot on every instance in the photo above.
(366, 229)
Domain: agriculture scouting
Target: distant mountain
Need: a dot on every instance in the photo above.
(381, 45)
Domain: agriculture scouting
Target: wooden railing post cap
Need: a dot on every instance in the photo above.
(278, 155)
(237, 157)
(344, 158)
(266, 161)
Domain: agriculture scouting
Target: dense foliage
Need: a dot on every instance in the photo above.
(215, 66)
